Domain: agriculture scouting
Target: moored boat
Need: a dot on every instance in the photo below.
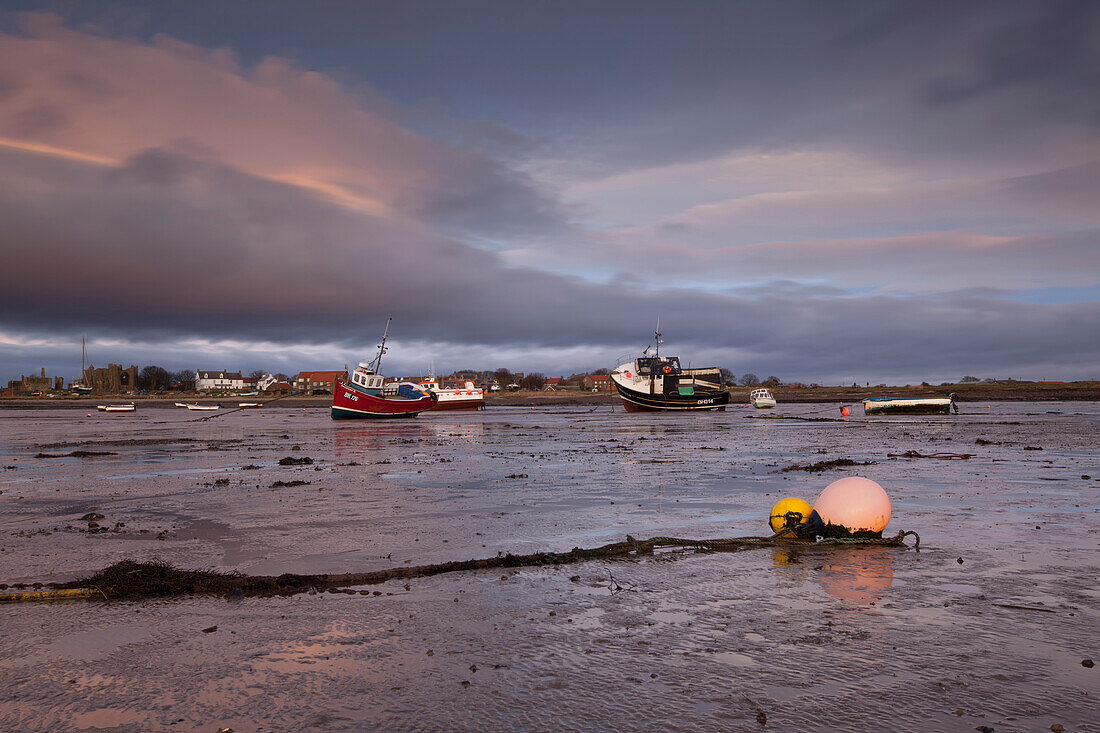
(761, 399)
(79, 387)
(916, 406)
(660, 383)
(249, 405)
(366, 395)
(116, 408)
(202, 408)
(465, 398)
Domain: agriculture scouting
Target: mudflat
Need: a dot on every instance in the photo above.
(987, 625)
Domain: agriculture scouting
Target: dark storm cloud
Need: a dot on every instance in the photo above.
(170, 247)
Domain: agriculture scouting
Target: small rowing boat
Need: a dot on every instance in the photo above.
(202, 408)
(249, 405)
(116, 408)
(917, 406)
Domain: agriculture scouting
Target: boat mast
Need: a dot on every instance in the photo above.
(657, 334)
(376, 365)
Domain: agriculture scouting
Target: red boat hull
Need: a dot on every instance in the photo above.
(348, 403)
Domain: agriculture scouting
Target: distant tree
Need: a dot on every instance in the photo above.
(923, 384)
(601, 370)
(153, 378)
(772, 380)
(969, 380)
(282, 377)
(185, 380)
(749, 380)
(503, 377)
(728, 377)
(534, 381)
(257, 374)
(989, 380)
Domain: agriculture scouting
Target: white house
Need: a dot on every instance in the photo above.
(210, 381)
(266, 381)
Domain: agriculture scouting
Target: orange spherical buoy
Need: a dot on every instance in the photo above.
(855, 503)
(844, 412)
(89, 414)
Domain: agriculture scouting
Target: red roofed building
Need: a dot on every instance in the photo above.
(312, 381)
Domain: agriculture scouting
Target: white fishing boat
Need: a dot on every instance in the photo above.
(202, 408)
(249, 405)
(116, 408)
(916, 406)
(762, 399)
(468, 397)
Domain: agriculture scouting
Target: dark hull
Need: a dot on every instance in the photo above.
(634, 401)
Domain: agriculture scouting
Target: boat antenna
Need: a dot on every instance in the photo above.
(657, 335)
(376, 365)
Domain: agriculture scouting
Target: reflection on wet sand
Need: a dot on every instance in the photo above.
(856, 575)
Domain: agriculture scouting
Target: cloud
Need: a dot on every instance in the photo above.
(167, 199)
(112, 98)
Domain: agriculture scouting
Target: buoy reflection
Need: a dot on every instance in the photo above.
(855, 575)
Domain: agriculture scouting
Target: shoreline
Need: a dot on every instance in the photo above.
(997, 392)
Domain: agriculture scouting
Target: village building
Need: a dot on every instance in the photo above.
(209, 380)
(318, 381)
(596, 382)
(278, 388)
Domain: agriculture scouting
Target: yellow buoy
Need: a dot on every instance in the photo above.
(789, 513)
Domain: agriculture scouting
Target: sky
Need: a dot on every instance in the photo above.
(825, 192)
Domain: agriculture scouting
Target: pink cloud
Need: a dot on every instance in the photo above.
(98, 98)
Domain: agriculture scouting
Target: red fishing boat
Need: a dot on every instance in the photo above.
(365, 394)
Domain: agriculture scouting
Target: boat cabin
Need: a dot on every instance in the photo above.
(760, 394)
(364, 378)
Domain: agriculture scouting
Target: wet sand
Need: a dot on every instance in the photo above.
(811, 639)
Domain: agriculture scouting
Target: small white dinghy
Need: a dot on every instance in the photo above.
(762, 399)
(116, 408)
(203, 408)
(249, 405)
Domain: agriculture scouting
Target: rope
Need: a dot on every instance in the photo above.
(128, 579)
